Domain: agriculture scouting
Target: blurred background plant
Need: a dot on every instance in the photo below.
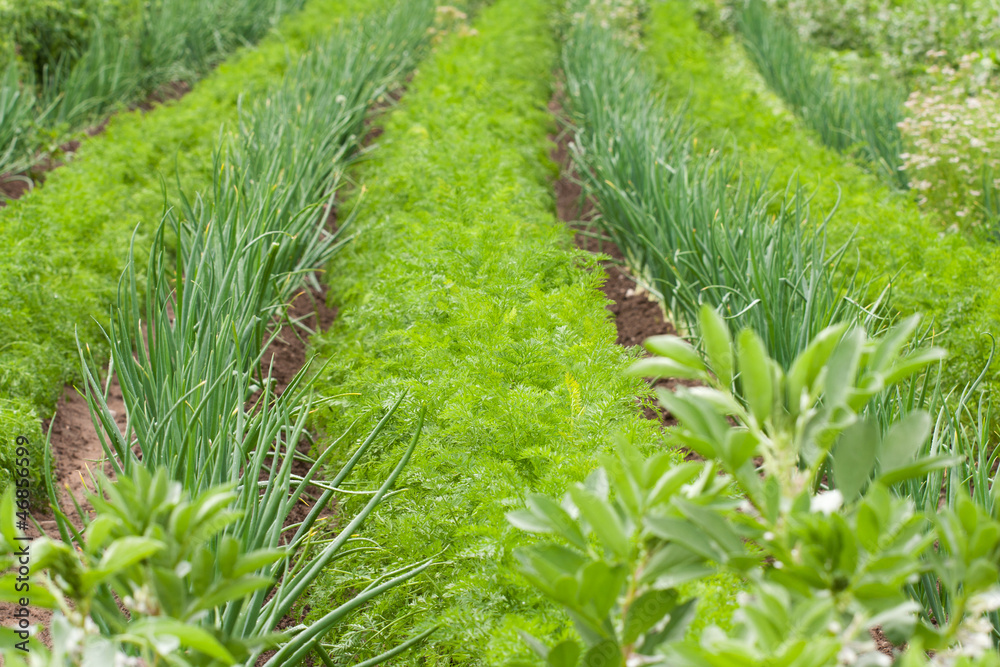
(901, 36)
(851, 114)
(68, 64)
(951, 133)
(864, 54)
(44, 34)
(623, 18)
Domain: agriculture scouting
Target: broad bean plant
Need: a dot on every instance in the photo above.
(149, 567)
(793, 493)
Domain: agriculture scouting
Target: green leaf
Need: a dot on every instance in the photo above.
(854, 458)
(891, 343)
(646, 611)
(127, 551)
(904, 440)
(603, 520)
(39, 595)
(255, 560)
(671, 482)
(7, 527)
(674, 565)
(869, 522)
(528, 521)
(600, 585)
(674, 630)
(202, 568)
(180, 519)
(597, 484)
(564, 654)
(229, 551)
(739, 447)
(842, 369)
(627, 492)
(718, 344)
(224, 592)
(170, 591)
(919, 468)
(99, 530)
(605, 654)
(553, 569)
(676, 349)
(722, 402)
(755, 375)
(558, 519)
(534, 644)
(685, 534)
(712, 524)
(660, 367)
(912, 363)
(190, 636)
(808, 364)
(699, 417)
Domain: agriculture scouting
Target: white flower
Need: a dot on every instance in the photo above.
(986, 601)
(827, 502)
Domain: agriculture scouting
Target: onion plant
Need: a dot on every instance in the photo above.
(693, 227)
(862, 116)
(17, 105)
(963, 428)
(184, 37)
(106, 74)
(989, 202)
(188, 355)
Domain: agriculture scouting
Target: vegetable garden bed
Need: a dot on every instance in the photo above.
(63, 248)
(459, 468)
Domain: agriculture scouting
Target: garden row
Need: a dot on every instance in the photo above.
(463, 290)
(183, 550)
(698, 223)
(473, 358)
(63, 249)
(67, 64)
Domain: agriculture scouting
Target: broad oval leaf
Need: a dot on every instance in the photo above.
(718, 344)
(676, 349)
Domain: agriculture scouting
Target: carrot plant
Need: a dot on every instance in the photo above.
(16, 109)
